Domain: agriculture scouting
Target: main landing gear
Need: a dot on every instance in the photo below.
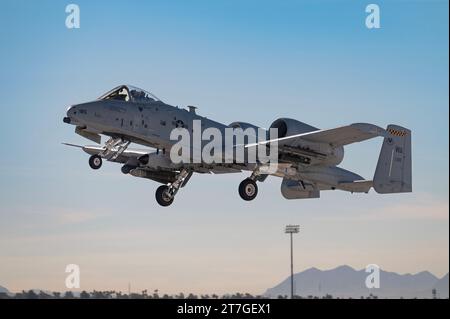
(248, 188)
(165, 194)
(113, 148)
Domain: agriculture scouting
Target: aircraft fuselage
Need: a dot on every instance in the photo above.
(151, 124)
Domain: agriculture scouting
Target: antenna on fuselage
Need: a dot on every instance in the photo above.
(192, 108)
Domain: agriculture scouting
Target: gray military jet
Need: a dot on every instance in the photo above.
(306, 158)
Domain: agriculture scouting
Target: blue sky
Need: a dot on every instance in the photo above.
(252, 61)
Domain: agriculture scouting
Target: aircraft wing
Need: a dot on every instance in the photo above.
(339, 136)
(346, 134)
(128, 153)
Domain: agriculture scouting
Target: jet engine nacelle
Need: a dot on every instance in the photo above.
(288, 127)
(251, 129)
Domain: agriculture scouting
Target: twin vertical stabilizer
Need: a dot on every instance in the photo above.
(393, 172)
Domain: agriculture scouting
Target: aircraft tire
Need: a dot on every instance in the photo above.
(95, 162)
(248, 189)
(161, 197)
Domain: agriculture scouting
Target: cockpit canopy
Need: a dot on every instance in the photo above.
(129, 93)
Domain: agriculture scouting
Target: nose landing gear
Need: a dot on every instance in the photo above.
(165, 194)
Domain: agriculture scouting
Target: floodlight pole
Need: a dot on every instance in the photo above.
(292, 267)
(291, 229)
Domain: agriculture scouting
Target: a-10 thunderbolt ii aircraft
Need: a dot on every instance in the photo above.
(307, 157)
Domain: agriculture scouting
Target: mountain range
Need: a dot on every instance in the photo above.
(346, 282)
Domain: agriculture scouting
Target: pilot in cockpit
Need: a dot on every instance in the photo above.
(120, 95)
(136, 95)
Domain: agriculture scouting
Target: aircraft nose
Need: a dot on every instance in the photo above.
(71, 111)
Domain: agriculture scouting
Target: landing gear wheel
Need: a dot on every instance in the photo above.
(248, 189)
(162, 197)
(95, 162)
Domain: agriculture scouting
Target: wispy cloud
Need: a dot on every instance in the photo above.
(74, 217)
(45, 217)
(422, 206)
